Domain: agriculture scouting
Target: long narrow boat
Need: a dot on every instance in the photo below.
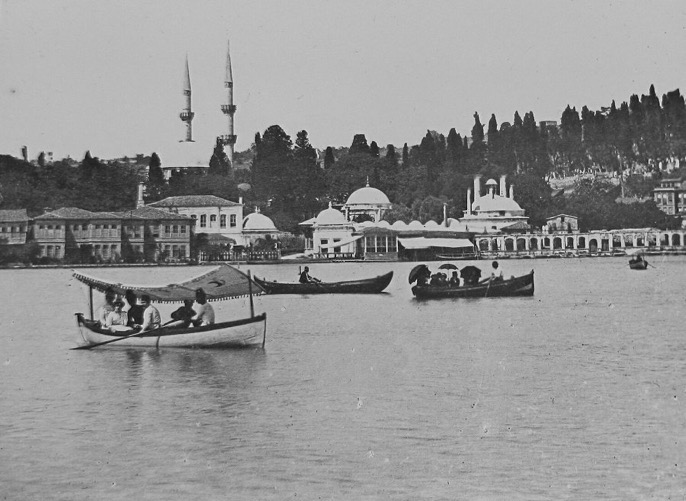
(223, 282)
(517, 286)
(364, 286)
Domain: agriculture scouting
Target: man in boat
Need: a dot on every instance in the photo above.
(107, 307)
(151, 315)
(496, 274)
(182, 317)
(134, 311)
(204, 313)
(454, 280)
(305, 277)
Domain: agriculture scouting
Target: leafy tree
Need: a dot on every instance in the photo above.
(359, 145)
(219, 161)
(329, 159)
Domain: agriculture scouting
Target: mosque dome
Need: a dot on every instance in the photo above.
(258, 222)
(367, 196)
(496, 203)
(330, 216)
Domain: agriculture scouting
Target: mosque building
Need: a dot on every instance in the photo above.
(187, 155)
(493, 211)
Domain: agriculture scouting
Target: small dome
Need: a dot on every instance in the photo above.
(383, 224)
(491, 182)
(367, 196)
(330, 216)
(399, 225)
(431, 224)
(258, 221)
(415, 225)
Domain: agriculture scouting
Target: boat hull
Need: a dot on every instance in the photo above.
(243, 333)
(641, 265)
(365, 286)
(518, 286)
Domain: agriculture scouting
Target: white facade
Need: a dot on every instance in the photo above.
(492, 212)
(211, 215)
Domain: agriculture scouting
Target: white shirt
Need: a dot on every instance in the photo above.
(151, 319)
(204, 313)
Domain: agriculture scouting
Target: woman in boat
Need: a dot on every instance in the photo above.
(204, 313)
(107, 307)
(117, 320)
(151, 315)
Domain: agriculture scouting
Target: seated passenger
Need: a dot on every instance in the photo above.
(134, 311)
(305, 277)
(204, 313)
(118, 320)
(182, 316)
(107, 307)
(454, 280)
(151, 315)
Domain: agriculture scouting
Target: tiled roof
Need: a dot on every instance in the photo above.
(68, 213)
(194, 201)
(76, 213)
(153, 213)
(13, 215)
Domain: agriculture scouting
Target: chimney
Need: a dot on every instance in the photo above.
(240, 200)
(445, 215)
(512, 191)
(503, 186)
(469, 199)
(140, 203)
(477, 186)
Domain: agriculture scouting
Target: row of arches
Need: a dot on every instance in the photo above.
(591, 242)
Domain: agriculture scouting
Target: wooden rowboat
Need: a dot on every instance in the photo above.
(364, 286)
(223, 282)
(517, 286)
(241, 333)
(638, 265)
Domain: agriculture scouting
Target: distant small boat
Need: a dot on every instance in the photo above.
(364, 286)
(638, 264)
(517, 286)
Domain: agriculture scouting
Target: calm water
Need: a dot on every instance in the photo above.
(576, 393)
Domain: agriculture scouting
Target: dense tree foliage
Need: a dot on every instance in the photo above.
(629, 144)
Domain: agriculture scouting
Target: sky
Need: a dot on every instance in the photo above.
(107, 75)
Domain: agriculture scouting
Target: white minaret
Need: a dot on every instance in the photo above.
(229, 140)
(187, 114)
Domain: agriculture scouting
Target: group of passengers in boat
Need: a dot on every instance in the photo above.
(440, 279)
(140, 315)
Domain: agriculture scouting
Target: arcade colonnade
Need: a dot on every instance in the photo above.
(596, 241)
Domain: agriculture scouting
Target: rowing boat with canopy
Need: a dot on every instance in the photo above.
(221, 283)
(364, 286)
(515, 286)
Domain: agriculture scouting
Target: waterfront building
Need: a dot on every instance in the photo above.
(562, 222)
(76, 234)
(670, 196)
(332, 234)
(156, 235)
(210, 214)
(14, 227)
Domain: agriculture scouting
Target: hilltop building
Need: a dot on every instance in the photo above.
(187, 155)
(493, 211)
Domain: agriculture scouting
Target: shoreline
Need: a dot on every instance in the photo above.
(484, 257)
